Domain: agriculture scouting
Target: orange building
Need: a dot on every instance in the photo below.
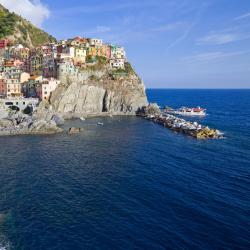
(104, 51)
(3, 88)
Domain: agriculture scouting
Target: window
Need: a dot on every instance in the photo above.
(9, 103)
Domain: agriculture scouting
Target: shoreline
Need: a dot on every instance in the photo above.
(45, 122)
(54, 128)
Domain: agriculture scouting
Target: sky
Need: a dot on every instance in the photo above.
(170, 43)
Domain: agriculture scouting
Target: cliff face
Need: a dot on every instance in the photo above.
(77, 97)
(19, 30)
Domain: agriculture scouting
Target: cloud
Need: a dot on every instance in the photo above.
(98, 30)
(169, 27)
(102, 29)
(34, 11)
(102, 7)
(246, 15)
(188, 29)
(222, 38)
(181, 38)
(212, 56)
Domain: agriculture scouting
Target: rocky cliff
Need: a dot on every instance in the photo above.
(103, 92)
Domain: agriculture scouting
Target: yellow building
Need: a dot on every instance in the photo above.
(80, 57)
(92, 51)
(80, 53)
(14, 88)
(24, 54)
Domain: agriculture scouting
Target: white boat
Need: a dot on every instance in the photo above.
(100, 123)
(82, 119)
(198, 111)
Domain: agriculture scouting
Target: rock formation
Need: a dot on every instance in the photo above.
(41, 122)
(74, 130)
(99, 94)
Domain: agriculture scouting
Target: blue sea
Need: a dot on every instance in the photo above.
(131, 184)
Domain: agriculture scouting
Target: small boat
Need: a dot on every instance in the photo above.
(100, 123)
(198, 111)
(82, 119)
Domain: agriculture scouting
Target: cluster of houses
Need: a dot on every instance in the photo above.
(35, 73)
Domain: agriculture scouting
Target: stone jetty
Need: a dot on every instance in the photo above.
(153, 113)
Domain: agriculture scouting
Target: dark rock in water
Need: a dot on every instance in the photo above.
(151, 109)
(2, 218)
(73, 130)
(58, 120)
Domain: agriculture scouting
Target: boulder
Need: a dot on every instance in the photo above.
(21, 124)
(151, 109)
(44, 127)
(58, 120)
(74, 130)
(5, 123)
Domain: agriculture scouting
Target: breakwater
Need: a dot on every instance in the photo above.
(153, 113)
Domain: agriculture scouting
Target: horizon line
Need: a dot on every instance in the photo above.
(199, 88)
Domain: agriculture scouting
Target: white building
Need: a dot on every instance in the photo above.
(117, 63)
(65, 69)
(118, 52)
(95, 42)
(24, 77)
(21, 102)
(118, 57)
(45, 88)
(68, 52)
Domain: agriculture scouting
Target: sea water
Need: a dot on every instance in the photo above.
(132, 184)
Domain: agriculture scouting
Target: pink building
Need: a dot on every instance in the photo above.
(3, 43)
(105, 51)
(18, 63)
(45, 88)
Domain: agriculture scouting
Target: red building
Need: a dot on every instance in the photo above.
(59, 49)
(3, 43)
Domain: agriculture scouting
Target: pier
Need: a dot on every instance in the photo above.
(153, 113)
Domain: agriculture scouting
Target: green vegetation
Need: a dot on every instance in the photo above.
(128, 70)
(36, 35)
(99, 62)
(90, 59)
(12, 24)
(93, 78)
(7, 23)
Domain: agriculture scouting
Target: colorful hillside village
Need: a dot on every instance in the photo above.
(31, 75)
